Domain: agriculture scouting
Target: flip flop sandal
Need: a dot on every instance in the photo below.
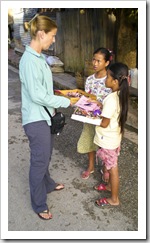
(85, 174)
(45, 212)
(100, 187)
(59, 187)
(102, 202)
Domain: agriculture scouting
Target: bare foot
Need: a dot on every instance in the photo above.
(59, 187)
(45, 215)
(112, 202)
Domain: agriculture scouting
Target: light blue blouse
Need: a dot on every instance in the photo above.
(37, 88)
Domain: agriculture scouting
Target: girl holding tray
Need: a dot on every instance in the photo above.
(108, 134)
(95, 84)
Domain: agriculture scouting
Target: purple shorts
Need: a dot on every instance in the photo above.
(109, 157)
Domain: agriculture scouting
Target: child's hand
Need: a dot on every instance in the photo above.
(100, 104)
(97, 102)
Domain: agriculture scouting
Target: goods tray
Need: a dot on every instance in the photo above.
(77, 92)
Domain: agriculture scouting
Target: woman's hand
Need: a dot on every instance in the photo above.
(71, 104)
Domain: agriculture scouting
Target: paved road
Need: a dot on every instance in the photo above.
(73, 208)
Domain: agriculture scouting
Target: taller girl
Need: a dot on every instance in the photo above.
(109, 134)
(95, 84)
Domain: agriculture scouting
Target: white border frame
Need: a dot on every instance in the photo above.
(141, 233)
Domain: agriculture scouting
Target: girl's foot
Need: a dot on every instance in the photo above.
(102, 187)
(112, 202)
(85, 174)
(102, 202)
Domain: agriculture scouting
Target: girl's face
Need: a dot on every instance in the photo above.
(111, 82)
(49, 39)
(99, 63)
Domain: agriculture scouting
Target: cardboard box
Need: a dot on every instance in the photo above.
(94, 121)
(74, 99)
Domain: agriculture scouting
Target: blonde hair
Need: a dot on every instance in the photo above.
(41, 22)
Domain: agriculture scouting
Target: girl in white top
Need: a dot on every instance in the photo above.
(109, 134)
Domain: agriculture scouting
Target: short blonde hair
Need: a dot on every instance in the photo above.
(41, 22)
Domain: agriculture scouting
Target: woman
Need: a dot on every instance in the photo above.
(37, 91)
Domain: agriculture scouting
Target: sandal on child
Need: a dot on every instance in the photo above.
(44, 213)
(85, 174)
(102, 202)
(100, 187)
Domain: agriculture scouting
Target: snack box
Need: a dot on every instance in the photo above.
(77, 91)
(85, 119)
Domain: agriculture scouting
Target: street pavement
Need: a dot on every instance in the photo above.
(73, 208)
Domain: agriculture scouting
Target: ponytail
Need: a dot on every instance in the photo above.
(123, 101)
(39, 22)
(119, 71)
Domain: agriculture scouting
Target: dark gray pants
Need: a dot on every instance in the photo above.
(41, 146)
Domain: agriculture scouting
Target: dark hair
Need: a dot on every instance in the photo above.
(119, 71)
(108, 55)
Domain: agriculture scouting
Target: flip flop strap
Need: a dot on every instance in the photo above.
(103, 200)
(101, 187)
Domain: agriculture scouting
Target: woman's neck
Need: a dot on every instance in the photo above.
(35, 45)
(100, 74)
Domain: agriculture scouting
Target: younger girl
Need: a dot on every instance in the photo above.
(95, 84)
(109, 134)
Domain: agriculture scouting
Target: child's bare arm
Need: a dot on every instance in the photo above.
(105, 122)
